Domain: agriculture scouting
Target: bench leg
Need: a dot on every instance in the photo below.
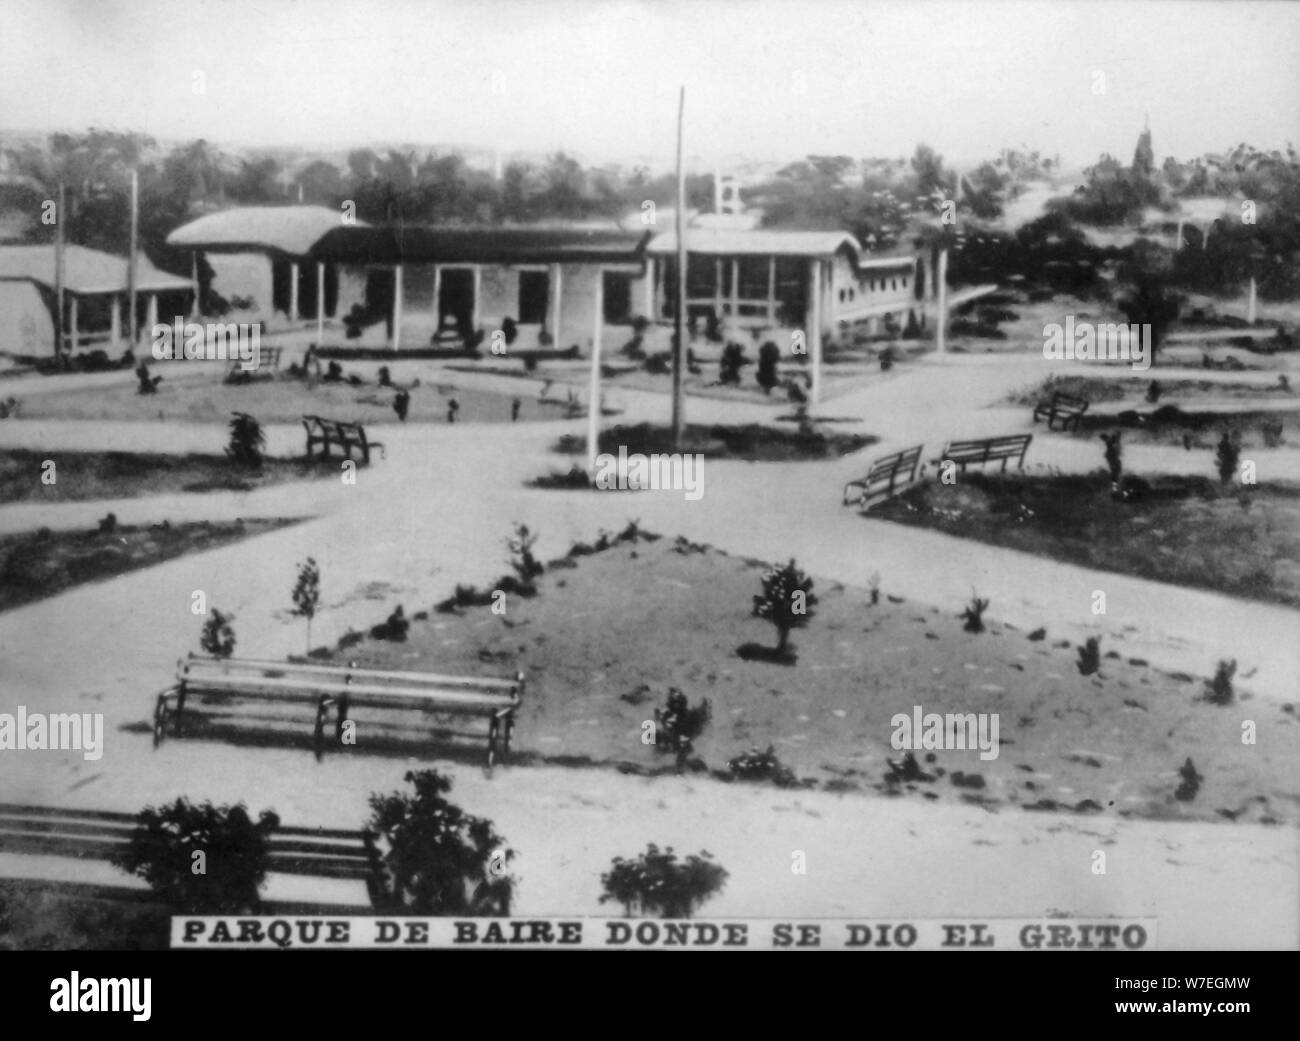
(322, 710)
(492, 742)
(509, 732)
(161, 714)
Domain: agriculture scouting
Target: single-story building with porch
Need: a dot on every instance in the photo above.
(95, 294)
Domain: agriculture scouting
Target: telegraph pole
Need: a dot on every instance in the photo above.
(131, 280)
(679, 347)
(59, 275)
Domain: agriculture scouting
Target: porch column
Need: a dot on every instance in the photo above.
(593, 393)
(941, 316)
(320, 303)
(115, 321)
(815, 333)
(717, 286)
(194, 282)
(397, 306)
(557, 279)
(1250, 311)
(735, 289)
(478, 292)
(648, 304)
(293, 291)
(151, 316)
(771, 289)
(76, 337)
(437, 298)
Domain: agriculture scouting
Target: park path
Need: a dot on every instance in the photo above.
(436, 513)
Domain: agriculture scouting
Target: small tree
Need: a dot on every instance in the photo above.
(439, 860)
(1089, 656)
(1227, 455)
(246, 441)
(201, 859)
(786, 601)
(1114, 458)
(1219, 690)
(655, 883)
(729, 366)
(681, 725)
(306, 594)
(522, 562)
(218, 637)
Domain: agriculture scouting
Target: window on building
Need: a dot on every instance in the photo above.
(534, 291)
(618, 298)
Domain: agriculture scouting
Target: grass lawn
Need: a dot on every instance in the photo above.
(49, 916)
(1186, 530)
(672, 614)
(282, 400)
(36, 565)
(83, 476)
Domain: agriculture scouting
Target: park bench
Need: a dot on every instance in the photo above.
(986, 450)
(327, 688)
(1067, 408)
(893, 472)
(268, 363)
(98, 834)
(346, 436)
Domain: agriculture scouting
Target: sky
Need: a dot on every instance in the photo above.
(765, 79)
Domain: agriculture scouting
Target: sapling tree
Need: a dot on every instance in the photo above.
(681, 723)
(1114, 458)
(656, 883)
(974, 614)
(218, 638)
(246, 441)
(525, 566)
(787, 602)
(306, 594)
(1089, 656)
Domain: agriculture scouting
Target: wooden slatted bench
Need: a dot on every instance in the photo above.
(892, 473)
(986, 450)
(98, 834)
(268, 363)
(340, 690)
(344, 436)
(1067, 408)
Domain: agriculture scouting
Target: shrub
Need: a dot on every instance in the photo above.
(681, 724)
(1218, 691)
(402, 404)
(306, 594)
(1153, 391)
(655, 883)
(1090, 656)
(762, 766)
(218, 637)
(786, 601)
(246, 441)
(874, 587)
(733, 359)
(1227, 455)
(164, 850)
(525, 566)
(974, 615)
(1272, 432)
(438, 860)
(393, 628)
(1186, 791)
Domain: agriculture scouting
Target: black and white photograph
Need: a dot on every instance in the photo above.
(650, 476)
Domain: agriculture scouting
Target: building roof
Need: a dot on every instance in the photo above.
(291, 230)
(761, 242)
(773, 242)
(421, 244)
(85, 271)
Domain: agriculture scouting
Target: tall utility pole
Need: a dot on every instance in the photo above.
(679, 346)
(59, 276)
(131, 329)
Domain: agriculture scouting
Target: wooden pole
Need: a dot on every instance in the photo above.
(59, 248)
(941, 289)
(397, 306)
(75, 337)
(194, 280)
(593, 394)
(679, 349)
(815, 334)
(132, 324)
(1250, 303)
(320, 303)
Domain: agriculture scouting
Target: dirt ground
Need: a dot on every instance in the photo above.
(673, 615)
